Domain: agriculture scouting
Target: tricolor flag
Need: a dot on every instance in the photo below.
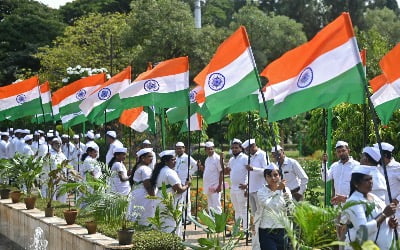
(178, 114)
(20, 99)
(196, 123)
(165, 86)
(386, 87)
(321, 73)
(135, 118)
(231, 74)
(45, 95)
(106, 98)
(66, 100)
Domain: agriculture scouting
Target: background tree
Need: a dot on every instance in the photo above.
(384, 21)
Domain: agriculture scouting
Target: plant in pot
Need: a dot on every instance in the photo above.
(27, 170)
(5, 174)
(69, 187)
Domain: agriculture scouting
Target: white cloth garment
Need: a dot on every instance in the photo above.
(181, 167)
(68, 150)
(91, 165)
(110, 152)
(259, 163)
(294, 175)
(94, 145)
(27, 150)
(118, 186)
(4, 149)
(212, 171)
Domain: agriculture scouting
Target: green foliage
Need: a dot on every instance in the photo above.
(384, 21)
(26, 170)
(315, 184)
(54, 178)
(155, 240)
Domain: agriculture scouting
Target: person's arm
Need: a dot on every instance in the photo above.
(149, 188)
(179, 188)
(194, 167)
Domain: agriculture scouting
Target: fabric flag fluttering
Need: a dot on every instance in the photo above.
(66, 100)
(321, 73)
(140, 119)
(106, 99)
(20, 99)
(45, 94)
(230, 76)
(165, 86)
(196, 123)
(386, 87)
(178, 114)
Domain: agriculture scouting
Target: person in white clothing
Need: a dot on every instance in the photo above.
(90, 164)
(371, 157)
(4, 145)
(147, 144)
(90, 136)
(185, 167)
(111, 139)
(119, 177)
(78, 152)
(141, 188)
(238, 175)
(14, 143)
(26, 147)
(378, 225)
(258, 163)
(67, 147)
(340, 172)
(213, 177)
(292, 172)
(272, 197)
(164, 174)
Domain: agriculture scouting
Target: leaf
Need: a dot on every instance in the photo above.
(220, 222)
(206, 242)
(207, 220)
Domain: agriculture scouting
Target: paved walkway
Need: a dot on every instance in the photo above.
(6, 244)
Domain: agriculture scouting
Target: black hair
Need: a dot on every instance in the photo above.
(370, 159)
(86, 154)
(158, 167)
(114, 159)
(356, 178)
(269, 171)
(136, 166)
(387, 154)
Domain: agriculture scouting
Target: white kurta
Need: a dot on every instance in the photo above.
(259, 163)
(181, 167)
(4, 152)
(212, 171)
(90, 165)
(68, 150)
(138, 197)
(110, 152)
(27, 150)
(294, 175)
(118, 186)
(55, 159)
(357, 216)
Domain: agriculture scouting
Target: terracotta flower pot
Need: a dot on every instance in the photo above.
(125, 236)
(5, 193)
(30, 202)
(15, 196)
(91, 227)
(49, 212)
(70, 216)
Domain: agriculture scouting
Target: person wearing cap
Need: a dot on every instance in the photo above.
(26, 147)
(90, 164)
(90, 136)
(181, 167)
(258, 163)
(238, 176)
(272, 197)
(35, 143)
(164, 174)
(77, 152)
(111, 139)
(147, 144)
(119, 177)
(378, 221)
(295, 176)
(21, 142)
(4, 146)
(141, 188)
(340, 172)
(371, 157)
(67, 147)
(213, 177)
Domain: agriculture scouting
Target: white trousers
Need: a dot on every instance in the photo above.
(239, 202)
(214, 201)
(253, 203)
(188, 205)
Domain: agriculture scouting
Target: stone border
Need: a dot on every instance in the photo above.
(18, 224)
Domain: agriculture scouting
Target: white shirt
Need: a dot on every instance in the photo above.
(94, 145)
(259, 163)
(20, 144)
(181, 167)
(393, 172)
(110, 152)
(4, 154)
(118, 186)
(379, 187)
(91, 165)
(212, 171)
(170, 178)
(78, 152)
(68, 150)
(42, 150)
(294, 175)
(27, 150)
(357, 216)
(142, 173)
(12, 147)
(51, 164)
(341, 175)
(271, 201)
(238, 173)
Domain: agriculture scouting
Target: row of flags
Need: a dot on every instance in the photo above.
(321, 73)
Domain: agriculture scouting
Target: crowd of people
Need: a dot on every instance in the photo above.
(268, 186)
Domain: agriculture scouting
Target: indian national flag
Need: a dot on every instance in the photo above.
(135, 118)
(386, 87)
(165, 86)
(231, 74)
(20, 99)
(66, 100)
(196, 123)
(45, 94)
(178, 114)
(321, 73)
(106, 98)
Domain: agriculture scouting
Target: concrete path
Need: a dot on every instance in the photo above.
(6, 244)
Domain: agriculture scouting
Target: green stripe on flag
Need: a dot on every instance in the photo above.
(385, 110)
(26, 109)
(162, 100)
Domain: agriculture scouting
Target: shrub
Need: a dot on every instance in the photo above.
(315, 183)
(155, 240)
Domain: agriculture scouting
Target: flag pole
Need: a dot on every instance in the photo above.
(41, 104)
(162, 121)
(187, 178)
(130, 148)
(325, 149)
(197, 182)
(79, 149)
(221, 161)
(248, 179)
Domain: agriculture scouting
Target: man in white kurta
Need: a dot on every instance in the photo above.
(78, 152)
(12, 148)
(212, 178)
(4, 143)
(295, 176)
(258, 163)
(112, 140)
(67, 147)
(181, 168)
(26, 147)
(238, 175)
(340, 172)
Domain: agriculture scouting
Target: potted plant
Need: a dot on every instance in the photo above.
(27, 170)
(5, 173)
(68, 187)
